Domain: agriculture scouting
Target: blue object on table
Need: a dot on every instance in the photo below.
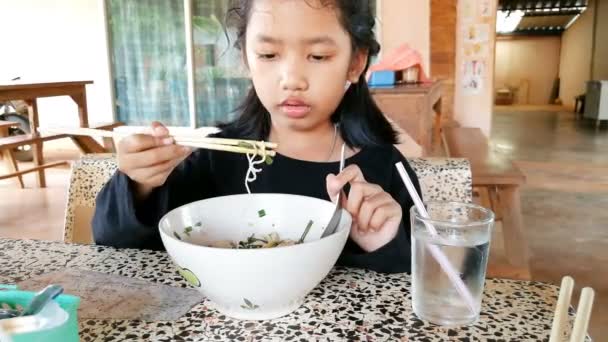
(382, 78)
(67, 332)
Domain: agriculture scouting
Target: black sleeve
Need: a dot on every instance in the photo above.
(395, 256)
(121, 221)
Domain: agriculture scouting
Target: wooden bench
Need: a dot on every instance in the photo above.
(7, 143)
(497, 181)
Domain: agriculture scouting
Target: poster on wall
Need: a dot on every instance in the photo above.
(468, 10)
(473, 76)
(475, 50)
(477, 33)
(485, 8)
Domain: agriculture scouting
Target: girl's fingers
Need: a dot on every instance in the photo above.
(383, 215)
(335, 183)
(155, 175)
(139, 142)
(359, 192)
(158, 155)
(181, 154)
(351, 173)
(143, 175)
(371, 207)
(368, 210)
(157, 135)
(332, 186)
(159, 130)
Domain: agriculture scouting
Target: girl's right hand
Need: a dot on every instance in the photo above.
(148, 159)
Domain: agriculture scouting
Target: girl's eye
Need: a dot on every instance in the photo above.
(318, 58)
(266, 55)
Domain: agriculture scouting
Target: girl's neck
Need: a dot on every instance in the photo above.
(319, 144)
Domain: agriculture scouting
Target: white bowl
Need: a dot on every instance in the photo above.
(254, 284)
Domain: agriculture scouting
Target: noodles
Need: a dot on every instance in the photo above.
(252, 242)
(253, 170)
(266, 241)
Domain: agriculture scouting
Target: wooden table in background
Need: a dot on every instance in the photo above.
(30, 92)
(416, 108)
(497, 180)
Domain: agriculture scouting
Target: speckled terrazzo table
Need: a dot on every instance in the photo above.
(349, 304)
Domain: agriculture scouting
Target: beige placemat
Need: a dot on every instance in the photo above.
(106, 296)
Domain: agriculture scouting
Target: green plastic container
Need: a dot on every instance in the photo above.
(67, 331)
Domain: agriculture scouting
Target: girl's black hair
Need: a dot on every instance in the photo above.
(361, 121)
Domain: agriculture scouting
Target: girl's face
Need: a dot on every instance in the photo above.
(300, 58)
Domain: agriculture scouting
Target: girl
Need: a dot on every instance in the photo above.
(307, 60)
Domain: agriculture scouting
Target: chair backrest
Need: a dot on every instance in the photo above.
(88, 175)
(444, 179)
(441, 179)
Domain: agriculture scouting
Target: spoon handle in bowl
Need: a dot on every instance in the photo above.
(41, 299)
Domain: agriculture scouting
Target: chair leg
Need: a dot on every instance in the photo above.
(11, 165)
(495, 202)
(484, 196)
(516, 244)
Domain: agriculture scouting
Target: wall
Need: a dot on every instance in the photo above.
(600, 56)
(575, 59)
(406, 21)
(443, 52)
(474, 107)
(58, 40)
(528, 62)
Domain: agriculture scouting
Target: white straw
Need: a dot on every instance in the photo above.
(439, 256)
(583, 314)
(561, 309)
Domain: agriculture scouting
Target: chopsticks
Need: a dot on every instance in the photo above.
(583, 315)
(260, 148)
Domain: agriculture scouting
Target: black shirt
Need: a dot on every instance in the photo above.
(122, 222)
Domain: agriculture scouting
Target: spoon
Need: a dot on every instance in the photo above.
(8, 313)
(40, 300)
(334, 222)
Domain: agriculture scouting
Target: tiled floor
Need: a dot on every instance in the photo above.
(565, 200)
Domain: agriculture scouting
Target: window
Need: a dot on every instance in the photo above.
(219, 75)
(150, 68)
(148, 58)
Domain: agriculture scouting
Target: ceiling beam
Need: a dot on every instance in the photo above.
(534, 32)
(546, 14)
(511, 5)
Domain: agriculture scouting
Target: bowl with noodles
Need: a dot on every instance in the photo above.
(245, 253)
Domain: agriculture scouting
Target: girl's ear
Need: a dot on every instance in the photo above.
(357, 65)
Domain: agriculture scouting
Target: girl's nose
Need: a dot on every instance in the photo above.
(293, 78)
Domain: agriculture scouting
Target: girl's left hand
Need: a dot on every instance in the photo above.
(376, 215)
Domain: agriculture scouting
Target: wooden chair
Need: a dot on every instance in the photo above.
(7, 143)
(440, 179)
(7, 154)
(88, 175)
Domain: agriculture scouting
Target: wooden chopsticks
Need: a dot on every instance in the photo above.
(583, 315)
(260, 148)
